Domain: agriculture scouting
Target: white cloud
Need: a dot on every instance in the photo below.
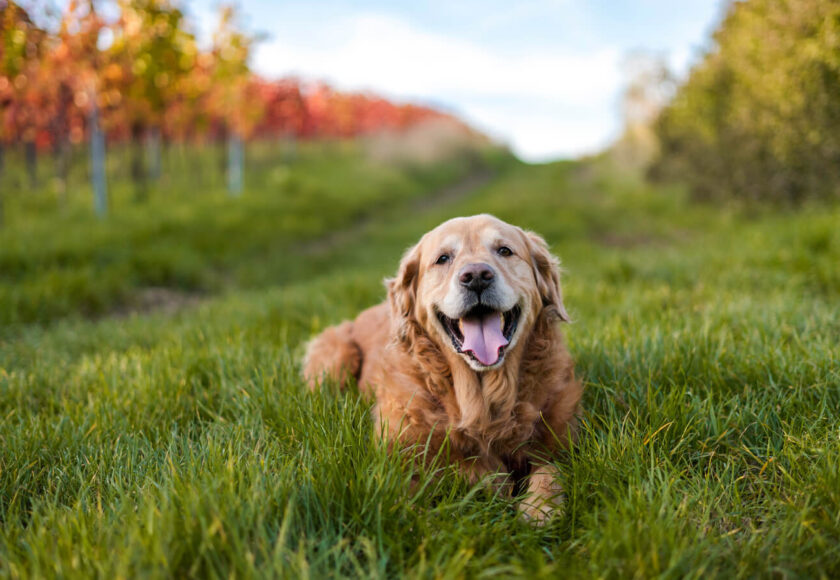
(544, 134)
(552, 103)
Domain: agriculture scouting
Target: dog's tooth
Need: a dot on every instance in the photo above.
(502, 322)
(460, 326)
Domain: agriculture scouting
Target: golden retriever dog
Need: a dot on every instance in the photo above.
(466, 354)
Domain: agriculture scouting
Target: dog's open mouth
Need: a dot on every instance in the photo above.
(482, 333)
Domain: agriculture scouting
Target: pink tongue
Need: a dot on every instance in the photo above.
(483, 337)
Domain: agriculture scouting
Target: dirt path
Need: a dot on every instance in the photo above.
(170, 300)
(443, 196)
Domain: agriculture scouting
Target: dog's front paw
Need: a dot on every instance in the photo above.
(545, 496)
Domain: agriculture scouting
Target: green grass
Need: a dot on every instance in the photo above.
(57, 259)
(186, 445)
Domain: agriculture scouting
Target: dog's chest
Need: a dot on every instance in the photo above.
(508, 436)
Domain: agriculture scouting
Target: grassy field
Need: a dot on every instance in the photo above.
(58, 259)
(181, 442)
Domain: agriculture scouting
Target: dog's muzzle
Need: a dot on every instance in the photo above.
(482, 332)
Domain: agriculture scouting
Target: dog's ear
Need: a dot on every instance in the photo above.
(402, 290)
(547, 273)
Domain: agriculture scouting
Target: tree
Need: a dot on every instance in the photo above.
(759, 117)
(21, 47)
(231, 86)
(68, 77)
(649, 86)
(151, 52)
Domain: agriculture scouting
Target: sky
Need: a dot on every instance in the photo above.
(543, 76)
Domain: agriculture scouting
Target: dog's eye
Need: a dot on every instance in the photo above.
(504, 251)
(444, 258)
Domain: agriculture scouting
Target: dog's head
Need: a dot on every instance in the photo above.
(476, 285)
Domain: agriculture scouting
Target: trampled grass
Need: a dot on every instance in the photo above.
(58, 259)
(186, 445)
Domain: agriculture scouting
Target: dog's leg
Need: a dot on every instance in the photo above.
(545, 495)
(333, 354)
(434, 447)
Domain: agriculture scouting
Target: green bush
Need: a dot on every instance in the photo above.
(759, 117)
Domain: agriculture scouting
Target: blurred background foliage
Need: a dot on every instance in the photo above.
(757, 120)
(181, 123)
(759, 117)
(133, 72)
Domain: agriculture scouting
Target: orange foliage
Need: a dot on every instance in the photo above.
(290, 108)
(50, 81)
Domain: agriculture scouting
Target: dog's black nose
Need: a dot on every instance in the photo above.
(476, 276)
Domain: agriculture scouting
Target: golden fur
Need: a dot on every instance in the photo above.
(505, 419)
